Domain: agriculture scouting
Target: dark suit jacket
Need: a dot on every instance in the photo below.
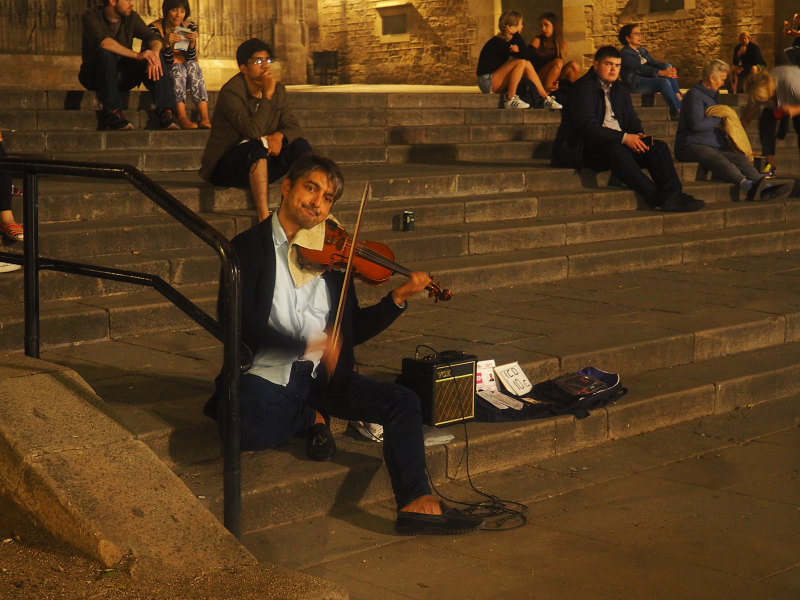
(256, 252)
(582, 120)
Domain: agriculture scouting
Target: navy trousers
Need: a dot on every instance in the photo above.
(627, 166)
(108, 74)
(233, 169)
(272, 415)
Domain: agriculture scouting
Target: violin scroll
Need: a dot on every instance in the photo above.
(436, 292)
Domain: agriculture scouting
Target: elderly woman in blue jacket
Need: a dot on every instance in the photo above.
(643, 74)
(700, 138)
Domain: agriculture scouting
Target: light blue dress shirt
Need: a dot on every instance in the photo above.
(299, 313)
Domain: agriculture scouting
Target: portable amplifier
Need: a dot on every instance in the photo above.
(445, 385)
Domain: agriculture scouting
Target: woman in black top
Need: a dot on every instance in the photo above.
(548, 50)
(505, 60)
(747, 60)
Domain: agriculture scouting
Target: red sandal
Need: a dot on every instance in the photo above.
(12, 231)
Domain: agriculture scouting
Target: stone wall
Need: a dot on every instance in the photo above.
(687, 38)
(437, 49)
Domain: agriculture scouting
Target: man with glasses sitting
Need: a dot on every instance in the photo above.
(254, 136)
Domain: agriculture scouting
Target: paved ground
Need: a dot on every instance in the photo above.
(707, 509)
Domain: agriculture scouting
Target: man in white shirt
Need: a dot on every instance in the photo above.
(297, 374)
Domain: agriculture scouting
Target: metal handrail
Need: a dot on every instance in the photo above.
(228, 332)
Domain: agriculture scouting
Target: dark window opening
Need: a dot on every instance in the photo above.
(665, 5)
(395, 24)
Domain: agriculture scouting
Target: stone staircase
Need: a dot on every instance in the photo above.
(555, 269)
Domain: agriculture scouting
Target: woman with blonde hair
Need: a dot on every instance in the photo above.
(777, 92)
(505, 60)
(548, 52)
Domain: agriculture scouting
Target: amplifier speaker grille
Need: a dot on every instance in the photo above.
(454, 399)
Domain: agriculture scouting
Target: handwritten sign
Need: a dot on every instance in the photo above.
(513, 378)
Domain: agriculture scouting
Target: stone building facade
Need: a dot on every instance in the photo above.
(419, 41)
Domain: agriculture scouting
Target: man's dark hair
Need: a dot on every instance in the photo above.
(252, 46)
(625, 33)
(310, 163)
(606, 52)
(169, 5)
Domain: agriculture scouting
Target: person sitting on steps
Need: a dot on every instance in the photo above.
(182, 64)
(793, 51)
(505, 60)
(601, 131)
(254, 136)
(700, 139)
(299, 374)
(643, 74)
(548, 51)
(109, 66)
(747, 60)
(9, 228)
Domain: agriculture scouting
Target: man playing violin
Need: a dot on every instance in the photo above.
(298, 375)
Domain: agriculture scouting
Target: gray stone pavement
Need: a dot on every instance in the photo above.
(707, 509)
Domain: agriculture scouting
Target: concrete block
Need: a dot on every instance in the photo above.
(516, 238)
(658, 400)
(424, 101)
(480, 100)
(171, 160)
(704, 220)
(336, 102)
(407, 187)
(446, 134)
(23, 100)
(552, 117)
(72, 100)
(581, 232)
(741, 245)
(178, 140)
(74, 119)
(354, 154)
(478, 211)
(552, 179)
(24, 142)
(367, 117)
(411, 117)
(613, 201)
(489, 183)
(322, 136)
(759, 386)
(511, 151)
(792, 211)
(63, 141)
(502, 133)
(487, 275)
(573, 434)
(592, 262)
(61, 322)
(754, 215)
(493, 117)
(19, 120)
(495, 446)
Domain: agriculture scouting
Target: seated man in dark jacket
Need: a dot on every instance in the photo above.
(700, 139)
(298, 373)
(600, 130)
(254, 136)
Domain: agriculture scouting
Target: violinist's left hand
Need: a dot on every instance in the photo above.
(416, 283)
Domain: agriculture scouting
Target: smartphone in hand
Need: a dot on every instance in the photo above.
(647, 140)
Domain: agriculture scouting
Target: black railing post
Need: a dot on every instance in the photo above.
(231, 432)
(30, 244)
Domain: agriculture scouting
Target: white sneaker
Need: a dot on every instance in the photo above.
(515, 102)
(372, 431)
(8, 267)
(551, 103)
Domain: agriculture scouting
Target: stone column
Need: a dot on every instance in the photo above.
(290, 43)
(574, 29)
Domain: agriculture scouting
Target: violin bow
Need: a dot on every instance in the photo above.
(348, 274)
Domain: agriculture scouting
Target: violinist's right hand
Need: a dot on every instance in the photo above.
(417, 282)
(330, 353)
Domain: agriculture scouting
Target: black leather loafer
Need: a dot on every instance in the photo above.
(450, 522)
(756, 189)
(320, 444)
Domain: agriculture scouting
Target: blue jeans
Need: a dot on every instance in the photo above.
(666, 85)
(273, 414)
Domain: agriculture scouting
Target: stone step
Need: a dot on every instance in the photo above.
(435, 238)
(334, 100)
(94, 318)
(283, 486)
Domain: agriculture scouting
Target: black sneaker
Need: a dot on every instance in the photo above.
(168, 120)
(116, 121)
(680, 202)
(450, 522)
(776, 191)
(755, 190)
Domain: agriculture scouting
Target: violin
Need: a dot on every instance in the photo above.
(373, 262)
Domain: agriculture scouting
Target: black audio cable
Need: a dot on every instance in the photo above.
(501, 515)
